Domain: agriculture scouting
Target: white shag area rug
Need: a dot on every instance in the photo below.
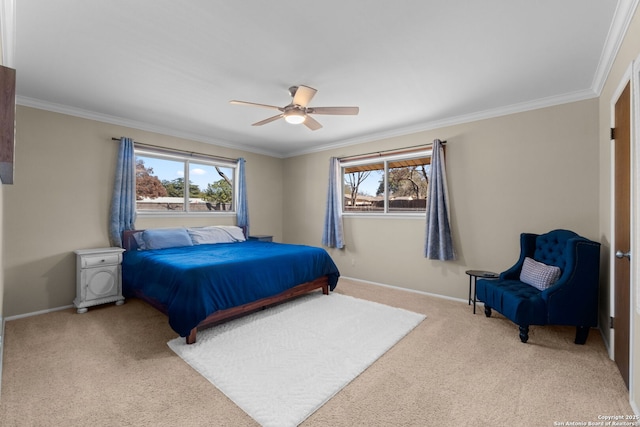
(283, 363)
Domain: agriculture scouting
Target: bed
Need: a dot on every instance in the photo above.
(202, 276)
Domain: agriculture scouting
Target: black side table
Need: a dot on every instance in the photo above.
(473, 277)
(261, 238)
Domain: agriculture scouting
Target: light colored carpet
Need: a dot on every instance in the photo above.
(112, 367)
(281, 364)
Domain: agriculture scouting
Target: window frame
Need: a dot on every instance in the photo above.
(188, 158)
(385, 159)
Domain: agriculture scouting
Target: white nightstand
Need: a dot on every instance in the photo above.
(98, 277)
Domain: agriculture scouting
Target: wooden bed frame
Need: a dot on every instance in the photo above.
(129, 243)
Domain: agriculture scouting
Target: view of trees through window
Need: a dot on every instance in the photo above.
(387, 186)
(167, 184)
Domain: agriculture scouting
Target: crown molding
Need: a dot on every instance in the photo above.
(120, 121)
(391, 133)
(622, 17)
(8, 32)
(452, 121)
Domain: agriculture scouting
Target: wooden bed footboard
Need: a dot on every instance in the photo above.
(234, 312)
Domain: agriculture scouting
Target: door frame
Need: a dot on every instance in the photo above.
(631, 76)
(635, 216)
(635, 188)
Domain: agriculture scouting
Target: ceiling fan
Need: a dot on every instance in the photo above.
(298, 110)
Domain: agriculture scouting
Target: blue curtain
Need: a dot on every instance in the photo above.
(242, 213)
(439, 244)
(123, 204)
(332, 235)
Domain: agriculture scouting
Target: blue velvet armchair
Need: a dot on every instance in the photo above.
(527, 294)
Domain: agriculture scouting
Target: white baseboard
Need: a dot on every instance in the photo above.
(406, 289)
(50, 310)
(447, 298)
(35, 313)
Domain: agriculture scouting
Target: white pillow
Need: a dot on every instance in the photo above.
(539, 275)
(234, 231)
(215, 234)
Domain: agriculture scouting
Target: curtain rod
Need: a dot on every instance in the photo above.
(395, 150)
(168, 150)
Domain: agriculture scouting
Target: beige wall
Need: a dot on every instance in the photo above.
(629, 51)
(532, 171)
(61, 196)
(527, 172)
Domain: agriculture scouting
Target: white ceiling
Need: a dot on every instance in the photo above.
(173, 66)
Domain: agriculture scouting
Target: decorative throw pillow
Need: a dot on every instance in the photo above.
(539, 275)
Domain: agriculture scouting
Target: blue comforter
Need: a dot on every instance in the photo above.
(192, 282)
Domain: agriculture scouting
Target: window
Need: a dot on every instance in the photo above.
(391, 184)
(175, 182)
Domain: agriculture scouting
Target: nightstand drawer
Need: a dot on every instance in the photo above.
(100, 260)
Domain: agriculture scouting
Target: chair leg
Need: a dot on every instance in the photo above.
(524, 333)
(582, 332)
(487, 310)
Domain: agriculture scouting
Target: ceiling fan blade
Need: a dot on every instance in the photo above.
(269, 120)
(253, 104)
(303, 95)
(312, 123)
(340, 111)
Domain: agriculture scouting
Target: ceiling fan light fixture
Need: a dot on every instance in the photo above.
(297, 111)
(295, 116)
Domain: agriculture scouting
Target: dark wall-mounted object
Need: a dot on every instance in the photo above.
(7, 123)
